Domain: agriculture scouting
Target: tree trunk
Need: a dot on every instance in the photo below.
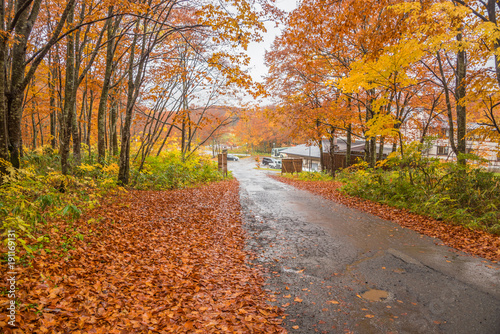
(373, 152)
(332, 149)
(15, 95)
(492, 17)
(33, 124)
(103, 101)
(113, 129)
(40, 124)
(134, 83)
(189, 136)
(451, 126)
(4, 139)
(183, 135)
(81, 119)
(370, 143)
(74, 55)
(90, 105)
(381, 149)
(124, 167)
(68, 108)
(89, 124)
(321, 155)
(348, 146)
(19, 80)
(52, 104)
(460, 95)
(75, 134)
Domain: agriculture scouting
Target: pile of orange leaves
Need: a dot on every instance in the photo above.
(457, 236)
(149, 262)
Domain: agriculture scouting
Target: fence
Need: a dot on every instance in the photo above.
(291, 166)
(340, 160)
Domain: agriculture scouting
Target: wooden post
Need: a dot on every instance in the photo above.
(222, 162)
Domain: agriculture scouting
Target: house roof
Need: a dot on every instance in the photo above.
(303, 151)
(312, 151)
(342, 146)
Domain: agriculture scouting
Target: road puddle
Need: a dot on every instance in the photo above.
(375, 295)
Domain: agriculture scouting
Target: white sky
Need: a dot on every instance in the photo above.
(256, 51)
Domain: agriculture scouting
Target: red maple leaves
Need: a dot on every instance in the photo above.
(149, 262)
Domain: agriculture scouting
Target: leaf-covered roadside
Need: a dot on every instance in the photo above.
(471, 241)
(148, 262)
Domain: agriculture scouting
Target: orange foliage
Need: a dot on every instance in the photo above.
(254, 129)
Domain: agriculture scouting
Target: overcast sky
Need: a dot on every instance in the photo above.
(257, 51)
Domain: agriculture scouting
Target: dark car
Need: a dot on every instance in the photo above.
(267, 161)
(231, 157)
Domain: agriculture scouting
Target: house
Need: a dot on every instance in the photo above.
(311, 156)
(441, 148)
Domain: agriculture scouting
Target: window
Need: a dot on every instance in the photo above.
(442, 150)
(443, 133)
(498, 156)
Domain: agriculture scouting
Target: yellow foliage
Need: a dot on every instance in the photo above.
(406, 7)
(86, 168)
(382, 125)
(390, 70)
(111, 169)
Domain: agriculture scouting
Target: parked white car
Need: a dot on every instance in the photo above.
(276, 164)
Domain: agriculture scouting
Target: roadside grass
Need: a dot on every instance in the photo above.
(265, 168)
(465, 195)
(309, 176)
(169, 171)
(32, 196)
(449, 191)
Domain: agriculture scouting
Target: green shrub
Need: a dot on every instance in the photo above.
(169, 171)
(38, 192)
(463, 194)
(32, 195)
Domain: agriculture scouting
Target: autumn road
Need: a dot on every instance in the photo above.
(339, 270)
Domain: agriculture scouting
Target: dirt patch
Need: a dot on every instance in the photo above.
(375, 295)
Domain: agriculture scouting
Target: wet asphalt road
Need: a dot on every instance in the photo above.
(339, 270)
